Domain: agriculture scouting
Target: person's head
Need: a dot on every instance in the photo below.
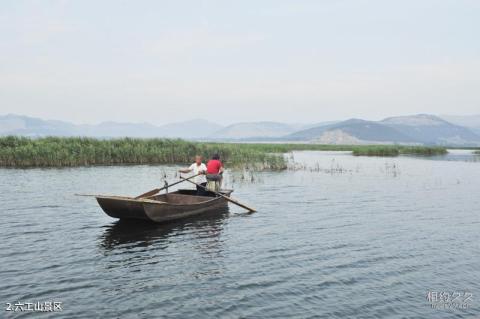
(198, 159)
(216, 156)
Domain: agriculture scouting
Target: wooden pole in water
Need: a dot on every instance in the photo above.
(251, 210)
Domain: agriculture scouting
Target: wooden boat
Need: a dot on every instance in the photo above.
(162, 208)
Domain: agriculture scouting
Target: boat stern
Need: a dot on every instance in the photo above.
(119, 207)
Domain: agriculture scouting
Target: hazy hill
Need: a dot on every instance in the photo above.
(252, 130)
(354, 131)
(430, 129)
(28, 126)
(198, 128)
(12, 124)
(114, 129)
(471, 121)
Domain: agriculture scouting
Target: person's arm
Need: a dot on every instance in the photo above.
(186, 170)
(222, 169)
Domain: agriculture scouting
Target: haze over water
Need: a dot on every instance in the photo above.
(343, 237)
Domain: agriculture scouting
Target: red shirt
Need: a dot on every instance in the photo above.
(213, 166)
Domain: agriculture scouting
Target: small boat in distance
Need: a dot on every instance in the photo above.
(176, 205)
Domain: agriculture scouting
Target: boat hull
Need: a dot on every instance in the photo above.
(162, 208)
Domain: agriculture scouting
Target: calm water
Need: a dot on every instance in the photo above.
(340, 237)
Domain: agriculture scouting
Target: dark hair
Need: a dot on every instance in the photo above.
(216, 156)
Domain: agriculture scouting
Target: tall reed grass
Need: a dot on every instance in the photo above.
(395, 150)
(78, 151)
(73, 151)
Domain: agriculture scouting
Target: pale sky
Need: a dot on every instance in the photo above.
(231, 61)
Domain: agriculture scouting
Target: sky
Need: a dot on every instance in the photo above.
(231, 61)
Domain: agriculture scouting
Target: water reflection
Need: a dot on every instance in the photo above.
(138, 233)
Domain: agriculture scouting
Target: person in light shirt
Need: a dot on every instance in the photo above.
(198, 168)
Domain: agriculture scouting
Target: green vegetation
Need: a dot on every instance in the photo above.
(380, 150)
(77, 151)
(58, 152)
(395, 150)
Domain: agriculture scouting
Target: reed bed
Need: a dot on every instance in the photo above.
(24, 152)
(395, 150)
(73, 151)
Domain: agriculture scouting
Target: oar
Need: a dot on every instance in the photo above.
(156, 190)
(226, 197)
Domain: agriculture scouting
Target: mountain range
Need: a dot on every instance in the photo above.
(414, 129)
(12, 124)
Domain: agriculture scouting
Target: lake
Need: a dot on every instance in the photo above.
(336, 236)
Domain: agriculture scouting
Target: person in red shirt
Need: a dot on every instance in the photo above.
(215, 166)
(214, 173)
